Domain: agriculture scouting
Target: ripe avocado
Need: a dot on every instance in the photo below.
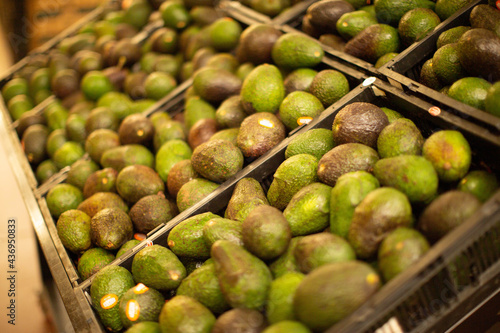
(222, 228)
(230, 113)
(323, 15)
(428, 76)
(287, 326)
(391, 11)
(99, 141)
(92, 261)
(296, 50)
(123, 156)
(102, 200)
(265, 232)
(73, 228)
(401, 137)
(215, 85)
(343, 159)
(147, 305)
(196, 108)
(487, 17)
(286, 263)
(259, 133)
(136, 129)
(244, 279)
(280, 304)
(100, 181)
(299, 80)
(157, 267)
(80, 171)
(63, 197)
(262, 90)
(446, 212)
(256, 43)
(171, 152)
(201, 132)
(298, 105)
(137, 181)
(316, 142)
(151, 211)
(416, 24)
(373, 42)
(359, 123)
(482, 184)
(193, 191)
(309, 209)
(246, 320)
(110, 228)
(33, 141)
(180, 173)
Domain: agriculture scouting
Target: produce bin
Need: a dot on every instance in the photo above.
(426, 297)
(404, 73)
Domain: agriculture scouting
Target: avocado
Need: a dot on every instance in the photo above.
(385, 59)
(286, 263)
(446, 64)
(224, 34)
(244, 69)
(215, 85)
(228, 134)
(492, 100)
(145, 327)
(168, 130)
(481, 183)
(21, 104)
(351, 188)
(381, 211)
(201, 57)
(316, 250)
(352, 23)
(99, 141)
(316, 142)
(127, 246)
(299, 106)
(136, 129)
(100, 181)
(158, 267)
(296, 50)
(399, 250)
(56, 115)
(80, 171)
(194, 191)
(230, 113)
(265, 232)
(63, 197)
(280, 300)
(373, 42)
(67, 154)
(225, 61)
(75, 128)
(175, 15)
(186, 238)
(487, 17)
(244, 320)
(450, 154)
(122, 156)
(446, 212)
(107, 288)
(31, 118)
(217, 160)
(247, 195)
(33, 141)
(73, 228)
(202, 285)
(158, 85)
(204, 15)
(288, 326)
(262, 90)
(259, 133)
(110, 228)
(100, 118)
(269, 7)
(151, 211)
(413, 175)
(137, 14)
(256, 43)
(391, 11)
(293, 174)
(309, 209)
(343, 159)
(244, 279)
(201, 132)
(428, 76)
(134, 85)
(332, 292)
(221, 228)
(446, 8)
(171, 152)
(102, 200)
(92, 261)
(451, 36)
(45, 170)
(180, 173)
(416, 24)
(139, 304)
(15, 86)
(333, 41)
(323, 15)
(401, 137)
(471, 91)
(183, 314)
(484, 45)
(137, 181)
(95, 84)
(299, 80)
(196, 108)
(359, 122)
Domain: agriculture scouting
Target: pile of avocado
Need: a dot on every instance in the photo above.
(375, 31)
(347, 210)
(466, 64)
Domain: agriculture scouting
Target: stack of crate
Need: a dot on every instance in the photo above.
(47, 18)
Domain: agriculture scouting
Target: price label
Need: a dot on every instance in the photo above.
(140, 289)
(434, 111)
(109, 301)
(304, 120)
(132, 310)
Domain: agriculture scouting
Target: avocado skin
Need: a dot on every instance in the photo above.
(286, 263)
(380, 212)
(221, 228)
(256, 138)
(263, 90)
(183, 314)
(151, 211)
(479, 53)
(345, 158)
(240, 320)
(137, 181)
(487, 17)
(244, 279)
(102, 200)
(401, 137)
(256, 43)
(110, 228)
(215, 85)
(369, 44)
(193, 191)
